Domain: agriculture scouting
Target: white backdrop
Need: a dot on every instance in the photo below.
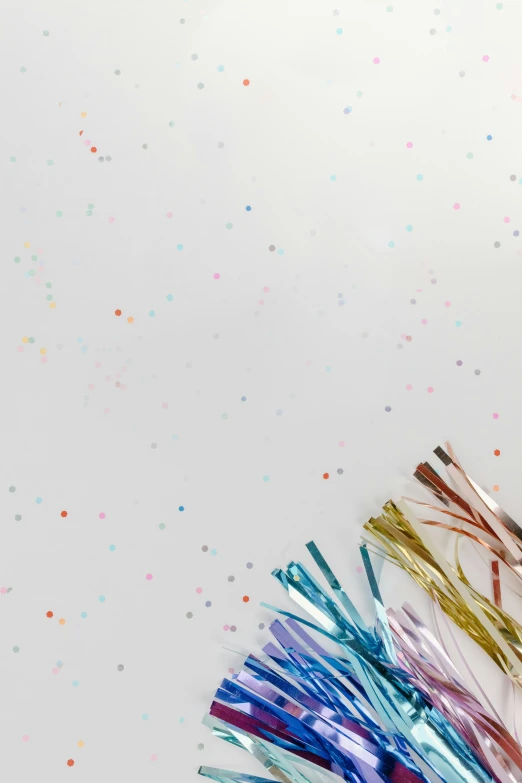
(267, 344)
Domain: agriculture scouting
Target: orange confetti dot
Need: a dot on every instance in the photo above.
(326, 475)
(246, 82)
(80, 133)
(496, 487)
(497, 453)
(94, 149)
(70, 763)
(130, 319)
(83, 114)
(49, 614)
(80, 743)
(63, 513)
(61, 621)
(246, 599)
(117, 312)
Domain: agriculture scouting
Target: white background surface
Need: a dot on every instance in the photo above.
(314, 373)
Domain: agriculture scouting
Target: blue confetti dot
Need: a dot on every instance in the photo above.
(391, 244)
(144, 716)
(152, 313)
(101, 599)
(181, 508)
(179, 247)
(83, 615)
(169, 297)
(175, 437)
(332, 178)
(449, 28)
(112, 547)
(280, 252)
(419, 177)
(489, 138)
(458, 323)
(221, 68)
(266, 478)
(182, 720)
(409, 228)
(516, 233)
(248, 209)
(213, 551)
(339, 31)
(38, 500)
(75, 683)
(347, 110)
(243, 399)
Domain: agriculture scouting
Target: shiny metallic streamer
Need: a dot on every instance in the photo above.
(374, 704)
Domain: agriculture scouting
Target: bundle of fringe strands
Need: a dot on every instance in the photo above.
(332, 698)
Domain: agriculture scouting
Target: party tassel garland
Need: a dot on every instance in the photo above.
(366, 704)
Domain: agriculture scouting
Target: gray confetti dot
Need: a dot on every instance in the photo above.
(462, 73)
(279, 412)
(208, 603)
(120, 667)
(261, 626)
(437, 11)
(200, 746)
(18, 517)
(108, 158)
(513, 177)
(413, 301)
(101, 159)
(231, 578)
(387, 409)
(336, 12)
(496, 244)
(16, 648)
(340, 471)
(249, 565)
(117, 72)
(154, 445)
(189, 615)
(271, 248)
(182, 21)
(12, 489)
(233, 628)
(477, 372)
(215, 336)
(364, 335)
(145, 146)
(221, 144)
(200, 85)
(204, 548)
(400, 346)
(193, 57)
(433, 31)
(188, 366)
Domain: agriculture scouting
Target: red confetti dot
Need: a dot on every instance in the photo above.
(326, 475)
(80, 133)
(49, 614)
(70, 763)
(63, 514)
(246, 82)
(94, 149)
(117, 312)
(497, 453)
(246, 599)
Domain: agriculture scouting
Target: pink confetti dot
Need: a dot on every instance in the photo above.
(376, 60)
(231, 670)
(112, 219)
(226, 627)
(20, 349)
(164, 405)
(261, 301)
(495, 415)
(102, 514)
(341, 443)
(507, 220)
(3, 590)
(216, 275)
(456, 206)
(153, 757)
(199, 590)
(87, 143)
(409, 144)
(148, 576)
(359, 569)
(169, 214)
(430, 389)
(424, 321)
(25, 737)
(56, 670)
(447, 304)
(43, 359)
(485, 58)
(409, 387)
(266, 289)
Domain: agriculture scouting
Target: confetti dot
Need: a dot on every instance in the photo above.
(216, 275)
(49, 614)
(59, 213)
(456, 206)
(462, 74)
(459, 362)
(246, 599)
(496, 487)
(477, 372)
(120, 667)
(200, 85)
(419, 177)
(25, 737)
(340, 471)
(148, 576)
(409, 145)
(499, 6)
(169, 297)
(162, 526)
(63, 513)
(204, 548)
(496, 244)
(513, 177)
(326, 476)
(409, 228)
(130, 319)
(144, 716)
(496, 415)
(83, 615)
(231, 578)
(70, 763)
(430, 389)
(391, 244)
(339, 31)
(80, 743)
(424, 321)
(266, 478)
(387, 409)
(221, 68)
(489, 138)
(249, 565)
(101, 599)
(347, 110)
(75, 683)
(189, 615)
(507, 220)
(16, 648)
(208, 604)
(38, 501)
(376, 60)
(12, 489)
(485, 58)
(18, 517)
(181, 508)
(497, 453)
(112, 548)
(61, 621)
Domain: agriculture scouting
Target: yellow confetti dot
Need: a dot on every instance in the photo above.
(496, 487)
(43, 350)
(61, 621)
(80, 743)
(25, 339)
(27, 244)
(130, 319)
(83, 114)
(52, 305)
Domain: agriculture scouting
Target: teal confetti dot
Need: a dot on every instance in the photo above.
(499, 6)
(180, 247)
(31, 272)
(449, 28)
(34, 258)
(50, 162)
(458, 323)
(144, 716)
(48, 285)
(181, 508)
(49, 297)
(221, 68)
(90, 206)
(169, 297)
(419, 177)
(38, 501)
(328, 369)
(31, 340)
(112, 547)
(339, 31)
(391, 244)
(409, 229)
(469, 156)
(101, 599)
(280, 252)
(83, 615)
(162, 526)
(333, 178)
(224, 416)
(23, 69)
(152, 313)
(266, 478)
(229, 226)
(89, 212)
(171, 124)
(389, 9)
(12, 159)
(59, 213)
(213, 552)
(182, 720)
(16, 648)
(17, 258)
(75, 683)
(46, 33)
(359, 94)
